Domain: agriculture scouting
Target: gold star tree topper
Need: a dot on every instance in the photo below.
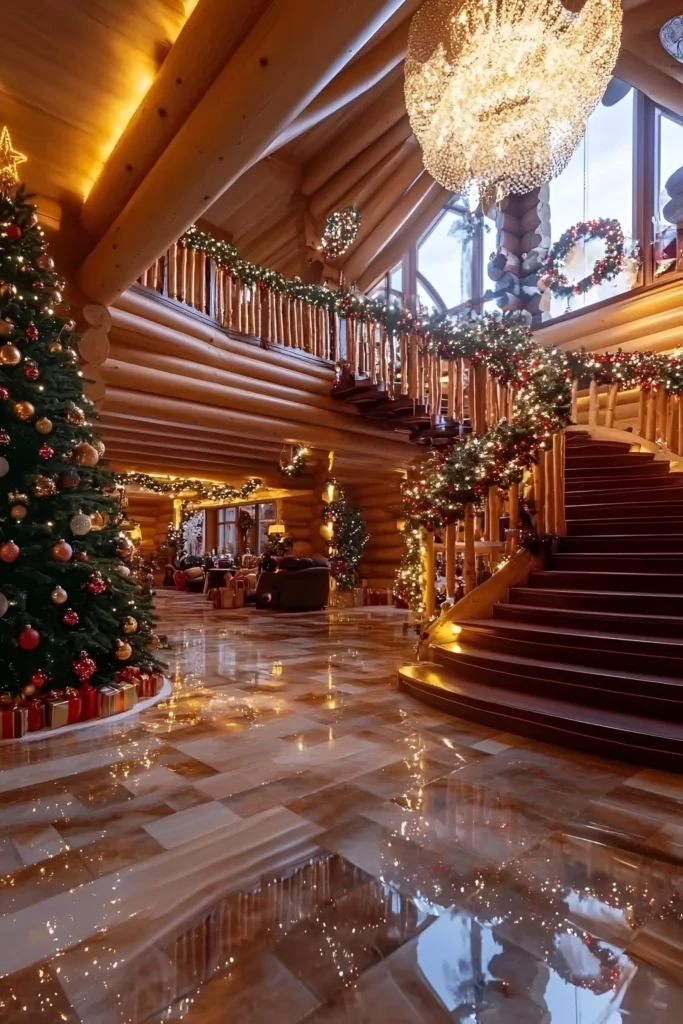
(10, 158)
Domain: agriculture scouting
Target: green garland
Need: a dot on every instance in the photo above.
(629, 370)
(203, 491)
(604, 269)
(297, 463)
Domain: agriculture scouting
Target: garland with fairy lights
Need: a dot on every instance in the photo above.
(348, 535)
(202, 490)
(341, 231)
(604, 269)
(629, 370)
(297, 462)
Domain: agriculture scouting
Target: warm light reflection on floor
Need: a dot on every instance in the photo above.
(288, 838)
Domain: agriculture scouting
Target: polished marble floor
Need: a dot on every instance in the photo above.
(288, 838)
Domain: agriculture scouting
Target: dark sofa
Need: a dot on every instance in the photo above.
(299, 585)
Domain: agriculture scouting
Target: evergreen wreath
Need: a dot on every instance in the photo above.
(604, 269)
(341, 231)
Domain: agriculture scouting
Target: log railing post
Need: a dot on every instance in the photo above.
(611, 405)
(470, 555)
(651, 416)
(593, 404)
(539, 492)
(451, 534)
(429, 564)
(575, 401)
(550, 521)
(512, 539)
(662, 413)
(559, 455)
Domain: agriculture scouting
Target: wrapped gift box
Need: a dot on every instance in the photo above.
(149, 685)
(88, 695)
(63, 708)
(13, 722)
(112, 700)
(37, 714)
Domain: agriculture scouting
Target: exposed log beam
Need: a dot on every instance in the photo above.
(415, 226)
(369, 185)
(384, 199)
(286, 59)
(654, 83)
(129, 428)
(206, 42)
(327, 198)
(387, 109)
(424, 188)
(191, 402)
(353, 81)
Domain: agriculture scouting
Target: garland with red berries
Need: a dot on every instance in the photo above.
(341, 231)
(604, 269)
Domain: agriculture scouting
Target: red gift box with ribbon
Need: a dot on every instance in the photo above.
(149, 685)
(13, 720)
(88, 695)
(37, 714)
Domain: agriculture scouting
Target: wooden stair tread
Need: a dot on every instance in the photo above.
(554, 637)
(567, 591)
(520, 661)
(589, 615)
(432, 674)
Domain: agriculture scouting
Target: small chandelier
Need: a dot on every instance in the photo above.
(499, 91)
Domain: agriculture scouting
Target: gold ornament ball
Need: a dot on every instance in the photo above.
(59, 596)
(18, 512)
(61, 551)
(123, 650)
(99, 447)
(97, 522)
(7, 290)
(55, 347)
(44, 486)
(153, 642)
(28, 690)
(24, 411)
(123, 570)
(76, 417)
(130, 625)
(44, 425)
(6, 327)
(45, 262)
(9, 355)
(85, 455)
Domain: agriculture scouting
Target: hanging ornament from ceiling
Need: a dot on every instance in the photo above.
(498, 93)
(671, 37)
(341, 231)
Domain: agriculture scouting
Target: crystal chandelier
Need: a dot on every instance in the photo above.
(499, 91)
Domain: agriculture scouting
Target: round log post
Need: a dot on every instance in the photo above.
(575, 401)
(538, 474)
(470, 555)
(593, 404)
(611, 405)
(651, 416)
(451, 534)
(429, 563)
(662, 412)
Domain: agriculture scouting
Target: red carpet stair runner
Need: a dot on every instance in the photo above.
(589, 654)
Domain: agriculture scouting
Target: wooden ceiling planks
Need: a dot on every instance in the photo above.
(78, 71)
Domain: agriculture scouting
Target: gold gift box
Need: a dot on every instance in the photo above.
(62, 712)
(113, 700)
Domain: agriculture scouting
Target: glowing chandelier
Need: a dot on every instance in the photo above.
(499, 91)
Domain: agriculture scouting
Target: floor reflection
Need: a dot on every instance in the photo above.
(287, 838)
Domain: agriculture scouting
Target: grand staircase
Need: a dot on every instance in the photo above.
(589, 653)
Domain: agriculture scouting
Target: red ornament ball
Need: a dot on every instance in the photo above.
(29, 638)
(13, 231)
(4, 437)
(32, 332)
(68, 480)
(71, 617)
(31, 372)
(9, 552)
(96, 584)
(4, 394)
(39, 678)
(46, 452)
(61, 551)
(84, 666)
(82, 556)
(38, 286)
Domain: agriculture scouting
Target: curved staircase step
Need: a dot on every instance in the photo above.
(628, 543)
(593, 730)
(634, 581)
(618, 622)
(640, 693)
(635, 525)
(627, 602)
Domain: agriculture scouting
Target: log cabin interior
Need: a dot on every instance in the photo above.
(380, 306)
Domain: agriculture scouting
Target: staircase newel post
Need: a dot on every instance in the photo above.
(651, 416)
(575, 401)
(429, 570)
(450, 560)
(539, 492)
(550, 520)
(559, 443)
(513, 496)
(662, 410)
(611, 405)
(593, 404)
(470, 555)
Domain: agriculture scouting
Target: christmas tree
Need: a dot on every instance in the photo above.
(70, 612)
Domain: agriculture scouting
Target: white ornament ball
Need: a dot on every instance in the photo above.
(80, 524)
(4, 605)
(4, 466)
(123, 570)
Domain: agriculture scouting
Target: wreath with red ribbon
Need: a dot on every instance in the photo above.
(604, 269)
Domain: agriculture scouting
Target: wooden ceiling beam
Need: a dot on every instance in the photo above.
(665, 91)
(206, 42)
(403, 208)
(383, 114)
(292, 52)
(327, 197)
(112, 425)
(353, 81)
(414, 227)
